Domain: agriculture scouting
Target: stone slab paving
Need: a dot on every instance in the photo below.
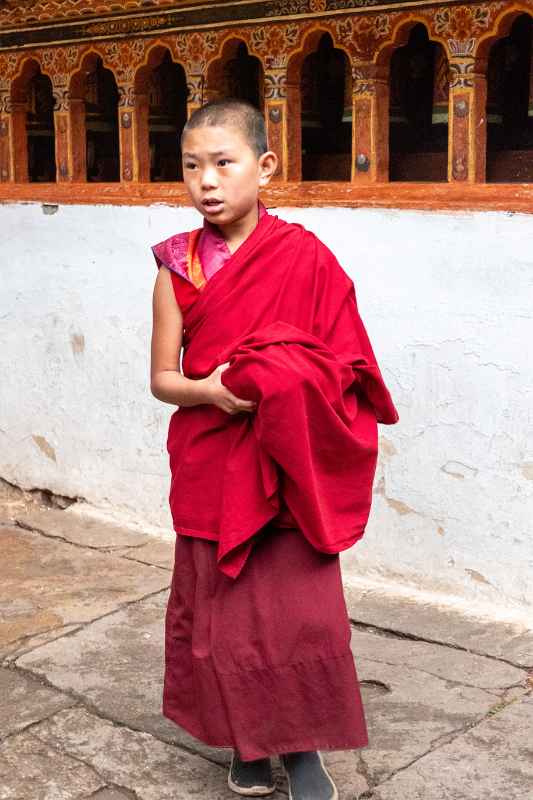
(348, 771)
(414, 692)
(10, 652)
(493, 761)
(31, 769)
(514, 643)
(450, 664)
(78, 529)
(133, 760)
(83, 666)
(418, 710)
(158, 552)
(25, 701)
(415, 695)
(116, 664)
(427, 692)
(47, 584)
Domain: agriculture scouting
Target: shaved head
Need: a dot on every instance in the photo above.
(232, 112)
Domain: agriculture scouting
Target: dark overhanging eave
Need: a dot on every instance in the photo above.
(209, 15)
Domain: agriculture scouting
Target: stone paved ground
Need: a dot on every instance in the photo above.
(448, 698)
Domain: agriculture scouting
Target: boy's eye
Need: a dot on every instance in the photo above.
(190, 165)
(223, 159)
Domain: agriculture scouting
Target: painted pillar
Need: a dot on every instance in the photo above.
(196, 90)
(293, 114)
(77, 135)
(6, 173)
(467, 154)
(141, 138)
(19, 141)
(63, 134)
(370, 123)
(129, 164)
(276, 119)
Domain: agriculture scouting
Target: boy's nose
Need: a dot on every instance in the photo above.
(208, 178)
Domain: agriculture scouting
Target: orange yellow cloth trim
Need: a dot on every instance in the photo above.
(194, 266)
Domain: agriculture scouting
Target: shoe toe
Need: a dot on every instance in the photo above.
(252, 778)
(308, 777)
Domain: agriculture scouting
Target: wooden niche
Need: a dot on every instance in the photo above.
(33, 126)
(236, 73)
(161, 113)
(326, 113)
(418, 115)
(510, 105)
(94, 109)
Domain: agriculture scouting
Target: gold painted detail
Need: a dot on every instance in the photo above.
(275, 86)
(461, 74)
(122, 26)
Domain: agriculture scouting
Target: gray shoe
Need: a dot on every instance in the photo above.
(251, 778)
(308, 777)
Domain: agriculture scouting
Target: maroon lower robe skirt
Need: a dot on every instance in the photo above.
(262, 663)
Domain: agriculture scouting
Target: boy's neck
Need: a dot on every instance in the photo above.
(236, 232)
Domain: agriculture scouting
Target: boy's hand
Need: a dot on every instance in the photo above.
(219, 395)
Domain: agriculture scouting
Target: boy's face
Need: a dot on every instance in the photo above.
(219, 164)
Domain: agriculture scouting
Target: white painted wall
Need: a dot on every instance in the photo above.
(447, 300)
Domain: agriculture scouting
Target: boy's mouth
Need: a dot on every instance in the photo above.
(212, 204)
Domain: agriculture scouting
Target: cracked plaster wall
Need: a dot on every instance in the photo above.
(446, 298)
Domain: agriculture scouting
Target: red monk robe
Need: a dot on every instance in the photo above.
(263, 663)
(283, 312)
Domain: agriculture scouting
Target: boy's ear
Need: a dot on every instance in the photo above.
(269, 164)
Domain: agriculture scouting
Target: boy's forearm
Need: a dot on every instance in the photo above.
(172, 387)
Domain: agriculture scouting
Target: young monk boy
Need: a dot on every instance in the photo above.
(272, 449)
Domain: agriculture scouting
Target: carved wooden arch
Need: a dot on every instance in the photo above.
(59, 62)
(400, 38)
(245, 35)
(495, 160)
(308, 44)
(227, 49)
(75, 105)
(227, 46)
(153, 57)
(166, 41)
(27, 68)
(501, 29)
(86, 64)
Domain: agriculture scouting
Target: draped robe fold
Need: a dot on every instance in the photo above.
(257, 634)
(283, 312)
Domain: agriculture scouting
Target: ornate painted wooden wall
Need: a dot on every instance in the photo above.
(283, 34)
